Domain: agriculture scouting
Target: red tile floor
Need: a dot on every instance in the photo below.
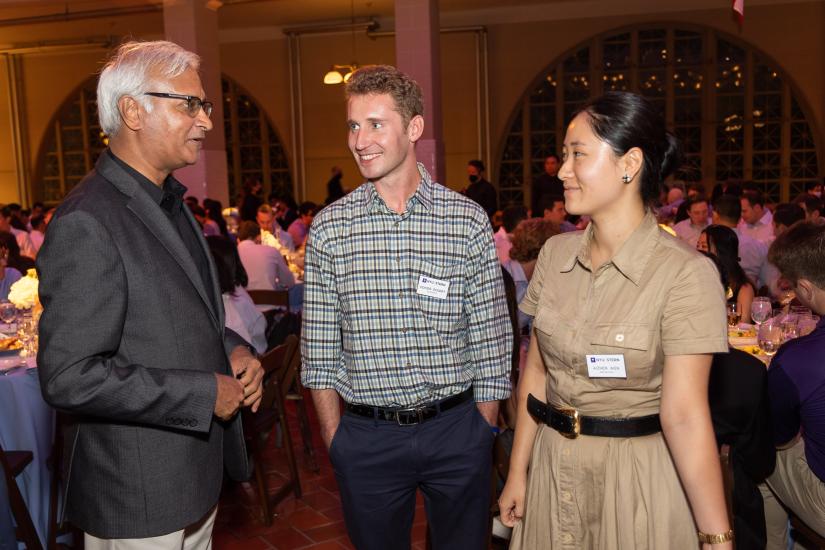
(315, 521)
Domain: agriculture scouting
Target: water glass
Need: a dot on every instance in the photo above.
(801, 312)
(760, 309)
(8, 313)
(770, 336)
(806, 325)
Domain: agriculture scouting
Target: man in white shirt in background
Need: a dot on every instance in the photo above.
(753, 254)
(698, 219)
(757, 221)
(265, 266)
(22, 237)
(510, 218)
(38, 232)
(266, 221)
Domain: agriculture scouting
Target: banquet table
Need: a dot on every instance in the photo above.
(27, 423)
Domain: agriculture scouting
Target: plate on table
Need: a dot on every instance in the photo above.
(10, 345)
(742, 335)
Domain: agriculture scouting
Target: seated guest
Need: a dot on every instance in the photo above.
(266, 268)
(553, 211)
(299, 229)
(38, 232)
(208, 226)
(694, 190)
(753, 254)
(24, 243)
(510, 218)
(814, 188)
(756, 219)
(283, 206)
(811, 205)
(214, 211)
(8, 275)
(528, 238)
(785, 215)
(737, 393)
(722, 242)
(241, 314)
(266, 221)
(698, 219)
(796, 383)
(15, 260)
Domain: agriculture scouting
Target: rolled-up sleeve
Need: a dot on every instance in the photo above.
(321, 328)
(489, 329)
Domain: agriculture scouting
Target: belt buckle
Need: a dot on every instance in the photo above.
(573, 415)
(419, 416)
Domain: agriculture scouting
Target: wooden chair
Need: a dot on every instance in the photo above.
(278, 298)
(294, 392)
(13, 463)
(272, 413)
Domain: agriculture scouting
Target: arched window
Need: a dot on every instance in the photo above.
(737, 116)
(75, 140)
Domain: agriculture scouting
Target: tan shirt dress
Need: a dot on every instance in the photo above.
(657, 297)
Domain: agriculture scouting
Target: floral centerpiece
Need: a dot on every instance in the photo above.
(23, 294)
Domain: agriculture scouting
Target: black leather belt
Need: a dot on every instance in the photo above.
(412, 415)
(570, 424)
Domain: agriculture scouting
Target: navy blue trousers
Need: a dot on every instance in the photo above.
(380, 465)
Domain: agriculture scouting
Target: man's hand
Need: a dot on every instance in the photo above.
(248, 370)
(489, 410)
(230, 397)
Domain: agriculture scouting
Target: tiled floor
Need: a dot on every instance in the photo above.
(315, 521)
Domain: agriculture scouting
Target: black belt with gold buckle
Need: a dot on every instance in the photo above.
(569, 423)
(413, 415)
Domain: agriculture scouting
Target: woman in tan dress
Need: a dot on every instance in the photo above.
(626, 320)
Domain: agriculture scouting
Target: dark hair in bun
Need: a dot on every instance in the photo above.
(625, 120)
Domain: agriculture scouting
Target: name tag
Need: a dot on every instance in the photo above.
(606, 366)
(434, 288)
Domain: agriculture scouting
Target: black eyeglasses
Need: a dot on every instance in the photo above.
(193, 103)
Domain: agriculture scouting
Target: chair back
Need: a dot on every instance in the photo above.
(278, 298)
(275, 364)
(13, 463)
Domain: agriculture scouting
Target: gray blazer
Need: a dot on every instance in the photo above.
(129, 343)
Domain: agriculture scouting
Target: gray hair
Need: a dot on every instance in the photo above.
(131, 70)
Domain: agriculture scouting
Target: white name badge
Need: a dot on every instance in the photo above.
(606, 366)
(435, 288)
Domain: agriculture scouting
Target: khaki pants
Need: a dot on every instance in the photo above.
(197, 536)
(797, 487)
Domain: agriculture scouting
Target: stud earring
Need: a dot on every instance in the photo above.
(626, 178)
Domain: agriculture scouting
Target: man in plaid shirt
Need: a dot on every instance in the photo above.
(405, 318)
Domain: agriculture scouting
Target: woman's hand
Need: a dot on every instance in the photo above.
(511, 501)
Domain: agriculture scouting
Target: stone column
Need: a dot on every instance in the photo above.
(194, 26)
(417, 53)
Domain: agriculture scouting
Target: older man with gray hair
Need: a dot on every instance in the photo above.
(133, 342)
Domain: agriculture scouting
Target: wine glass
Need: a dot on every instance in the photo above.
(733, 315)
(801, 312)
(806, 325)
(770, 336)
(8, 313)
(760, 309)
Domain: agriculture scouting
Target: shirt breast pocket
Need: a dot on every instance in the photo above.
(552, 334)
(632, 340)
(442, 307)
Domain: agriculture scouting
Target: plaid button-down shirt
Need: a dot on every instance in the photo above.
(367, 331)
